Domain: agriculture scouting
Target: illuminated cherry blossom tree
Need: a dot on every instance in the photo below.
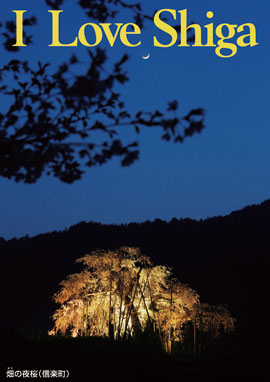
(120, 293)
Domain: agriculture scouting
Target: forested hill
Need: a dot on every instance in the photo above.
(177, 242)
(186, 245)
(225, 258)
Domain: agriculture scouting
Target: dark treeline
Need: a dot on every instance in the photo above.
(226, 259)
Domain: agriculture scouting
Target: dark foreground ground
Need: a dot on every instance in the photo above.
(103, 360)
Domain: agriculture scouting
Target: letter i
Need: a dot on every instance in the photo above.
(19, 28)
(210, 30)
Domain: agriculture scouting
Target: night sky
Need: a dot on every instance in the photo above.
(224, 168)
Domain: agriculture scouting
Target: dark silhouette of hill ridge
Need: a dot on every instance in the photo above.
(251, 211)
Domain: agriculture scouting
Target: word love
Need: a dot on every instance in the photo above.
(221, 37)
(98, 29)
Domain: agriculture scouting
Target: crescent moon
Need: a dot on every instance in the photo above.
(146, 57)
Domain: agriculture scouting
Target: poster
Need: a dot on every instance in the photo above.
(135, 125)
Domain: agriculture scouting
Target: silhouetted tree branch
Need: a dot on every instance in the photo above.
(57, 123)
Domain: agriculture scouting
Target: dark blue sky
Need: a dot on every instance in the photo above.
(224, 168)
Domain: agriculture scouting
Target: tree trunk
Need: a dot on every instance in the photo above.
(120, 314)
(194, 337)
(110, 306)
